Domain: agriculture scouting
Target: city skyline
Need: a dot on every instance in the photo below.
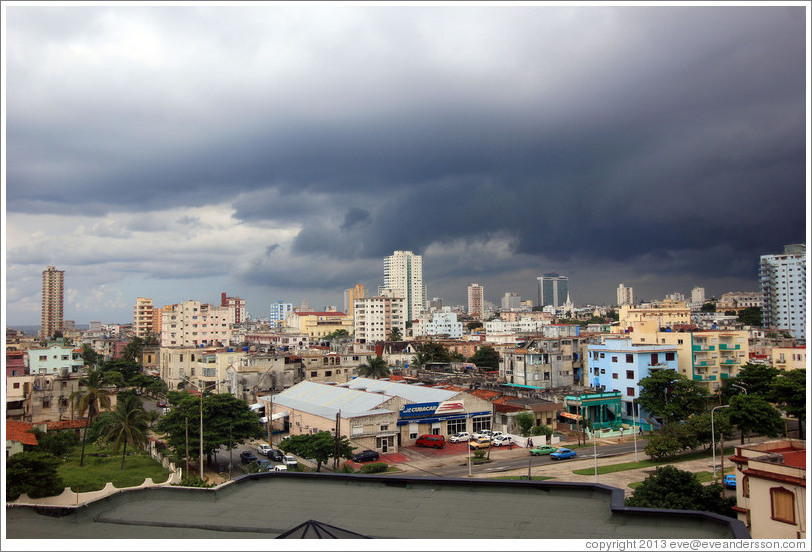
(280, 153)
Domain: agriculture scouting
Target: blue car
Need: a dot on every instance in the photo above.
(730, 481)
(562, 454)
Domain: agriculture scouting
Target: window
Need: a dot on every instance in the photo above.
(655, 358)
(614, 359)
(629, 375)
(481, 423)
(602, 356)
(384, 427)
(43, 358)
(614, 376)
(455, 426)
(746, 486)
(17, 386)
(327, 373)
(629, 360)
(629, 392)
(782, 504)
(356, 430)
(47, 404)
(668, 356)
(312, 375)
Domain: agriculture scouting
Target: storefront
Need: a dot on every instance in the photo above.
(443, 418)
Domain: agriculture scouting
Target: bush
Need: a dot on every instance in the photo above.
(33, 473)
(346, 468)
(58, 443)
(374, 467)
(479, 454)
(193, 481)
(542, 430)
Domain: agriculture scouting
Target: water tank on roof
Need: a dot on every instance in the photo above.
(244, 350)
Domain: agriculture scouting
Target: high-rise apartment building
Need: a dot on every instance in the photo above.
(625, 295)
(53, 300)
(374, 318)
(143, 317)
(698, 296)
(279, 312)
(783, 287)
(553, 289)
(236, 305)
(511, 300)
(476, 301)
(403, 273)
(350, 295)
(192, 324)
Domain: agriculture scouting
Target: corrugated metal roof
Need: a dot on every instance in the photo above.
(413, 393)
(326, 400)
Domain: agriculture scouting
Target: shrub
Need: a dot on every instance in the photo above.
(33, 473)
(374, 467)
(542, 430)
(346, 468)
(193, 481)
(479, 454)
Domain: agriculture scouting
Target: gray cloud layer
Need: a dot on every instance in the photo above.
(646, 138)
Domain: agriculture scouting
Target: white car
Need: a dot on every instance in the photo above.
(264, 449)
(280, 467)
(496, 434)
(502, 440)
(460, 437)
(486, 433)
(289, 460)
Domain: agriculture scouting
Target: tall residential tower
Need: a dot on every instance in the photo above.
(783, 287)
(403, 273)
(53, 298)
(476, 301)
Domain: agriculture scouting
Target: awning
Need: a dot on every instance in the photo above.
(256, 406)
(570, 416)
(278, 415)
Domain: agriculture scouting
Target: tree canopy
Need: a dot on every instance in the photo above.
(395, 335)
(34, 473)
(317, 446)
(674, 489)
(525, 421)
(671, 396)
(789, 391)
(486, 357)
(223, 414)
(753, 413)
(128, 424)
(756, 379)
(373, 368)
(750, 316)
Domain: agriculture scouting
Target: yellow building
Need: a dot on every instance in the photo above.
(789, 358)
(665, 315)
(319, 324)
(704, 356)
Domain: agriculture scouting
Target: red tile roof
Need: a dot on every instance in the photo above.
(395, 377)
(485, 394)
(18, 431)
(66, 424)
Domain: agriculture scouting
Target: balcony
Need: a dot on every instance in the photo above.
(726, 347)
(729, 362)
(704, 347)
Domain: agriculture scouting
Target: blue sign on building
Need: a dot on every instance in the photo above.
(419, 410)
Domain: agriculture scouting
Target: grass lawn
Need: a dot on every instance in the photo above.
(99, 470)
(612, 468)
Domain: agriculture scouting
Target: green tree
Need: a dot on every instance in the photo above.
(542, 429)
(341, 333)
(373, 368)
(158, 388)
(132, 352)
(395, 335)
(57, 443)
(420, 359)
(708, 307)
(525, 421)
(128, 369)
(756, 379)
(486, 357)
(319, 446)
(89, 355)
(672, 438)
(34, 473)
(789, 390)
(226, 419)
(92, 397)
(699, 427)
(671, 396)
(674, 489)
(434, 352)
(753, 413)
(751, 316)
(128, 425)
(473, 325)
(151, 339)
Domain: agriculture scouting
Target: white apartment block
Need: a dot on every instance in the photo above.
(783, 287)
(442, 323)
(375, 317)
(523, 324)
(625, 295)
(142, 317)
(192, 324)
(403, 270)
(476, 301)
(279, 312)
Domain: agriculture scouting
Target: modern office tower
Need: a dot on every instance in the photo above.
(476, 301)
(511, 301)
(279, 311)
(350, 295)
(143, 317)
(698, 296)
(783, 286)
(374, 318)
(553, 289)
(625, 295)
(236, 305)
(53, 299)
(403, 273)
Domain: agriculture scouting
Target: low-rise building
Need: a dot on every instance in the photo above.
(318, 324)
(771, 488)
(543, 363)
(57, 358)
(788, 358)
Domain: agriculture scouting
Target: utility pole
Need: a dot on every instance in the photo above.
(337, 448)
(201, 435)
(186, 450)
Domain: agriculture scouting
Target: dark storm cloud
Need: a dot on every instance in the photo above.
(648, 136)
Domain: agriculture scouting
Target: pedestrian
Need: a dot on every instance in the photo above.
(529, 443)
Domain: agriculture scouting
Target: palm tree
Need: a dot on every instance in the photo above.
(129, 425)
(374, 368)
(395, 335)
(92, 399)
(421, 359)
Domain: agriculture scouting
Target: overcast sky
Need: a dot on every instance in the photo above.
(281, 152)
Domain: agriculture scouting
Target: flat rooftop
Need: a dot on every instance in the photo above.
(262, 506)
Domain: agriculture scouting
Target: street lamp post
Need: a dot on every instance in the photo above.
(713, 436)
(634, 428)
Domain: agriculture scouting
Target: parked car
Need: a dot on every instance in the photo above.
(247, 457)
(289, 460)
(562, 454)
(730, 481)
(481, 443)
(366, 456)
(280, 467)
(542, 450)
(460, 437)
(496, 434)
(432, 441)
(276, 455)
(264, 449)
(161, 404)
(485, 433)
(263, 465)
(502, 440)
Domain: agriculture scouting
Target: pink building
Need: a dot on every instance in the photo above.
(16, 363)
